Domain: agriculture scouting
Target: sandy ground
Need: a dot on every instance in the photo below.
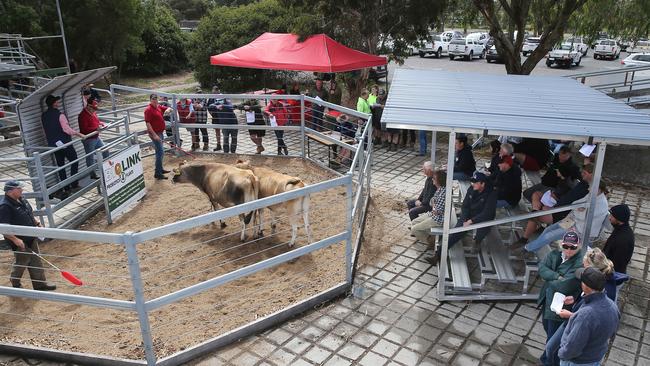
(176, 261)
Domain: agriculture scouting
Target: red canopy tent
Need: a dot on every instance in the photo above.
(282, 51)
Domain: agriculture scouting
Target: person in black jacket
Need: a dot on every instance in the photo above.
(479, 205)
(464, 164)
(577, 192)
(222, 112)
(560, 175)
(507, 182)
(421, 205)
(620, 244)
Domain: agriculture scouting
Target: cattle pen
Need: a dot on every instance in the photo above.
(164, 284)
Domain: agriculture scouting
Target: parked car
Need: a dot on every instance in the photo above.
(437, 45)
(466, 48)
(607, 48)
(579, 44)
(378, 72)
(530, 44)
(387, 44)
(451, 34)
(565, 55)
(480, 37)
(637, 59)
(640, 46)
(493, 55)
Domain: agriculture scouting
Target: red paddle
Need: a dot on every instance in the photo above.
(67, 275)
(178, 148)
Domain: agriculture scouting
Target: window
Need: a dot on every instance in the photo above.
(645, 58)
(532, 40)
(437, 38)
(458, 41)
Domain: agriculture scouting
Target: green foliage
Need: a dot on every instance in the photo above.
(164, 43)
(227, 28)
(189, 9)
(627, 19)
(19, 18)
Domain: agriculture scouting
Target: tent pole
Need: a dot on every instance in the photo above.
(433, 148)
(442, 263)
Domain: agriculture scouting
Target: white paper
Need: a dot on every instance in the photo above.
(273, 121)
(336, 135)
(59, 143)
(558, 302)
(548, 200)
(250, 117)
(318, 98)
(586, 149)
(41, 238)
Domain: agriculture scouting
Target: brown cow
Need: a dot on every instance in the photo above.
(224, 185)
(272, 182)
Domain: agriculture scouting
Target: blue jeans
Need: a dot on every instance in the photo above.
(158, 146)
(422, 136)
(90, 145)
(569, 363)
(550, 356)
(550, 234)
(503, 204)
(461, 176)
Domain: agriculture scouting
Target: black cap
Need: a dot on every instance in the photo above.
(571, 237)
(621, 212)
(50, 99)
(478, 177)
(591, 277)
(13, 184)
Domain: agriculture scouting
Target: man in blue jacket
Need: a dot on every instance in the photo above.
(587, 334)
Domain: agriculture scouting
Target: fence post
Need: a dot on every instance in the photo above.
(138, 292)
(99, 158)
(302, 125)
(348, 242)
(113, 102)
(42, 186)
(177, 131)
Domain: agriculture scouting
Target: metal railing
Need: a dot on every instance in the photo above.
(165, 295)
(630, 83)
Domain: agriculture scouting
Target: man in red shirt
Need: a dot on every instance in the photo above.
(88, 124)
(153, 116)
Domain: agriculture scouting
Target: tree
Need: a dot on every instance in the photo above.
(226, 28)
(164, 43)
(627, 19)
(552, 22)
(364, 24)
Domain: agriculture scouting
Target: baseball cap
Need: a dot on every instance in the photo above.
(478, 177)
(50, 99)
(591, 277)
(571, 238)
(621, 212)
(13, 184)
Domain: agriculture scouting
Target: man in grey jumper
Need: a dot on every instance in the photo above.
(586, 337)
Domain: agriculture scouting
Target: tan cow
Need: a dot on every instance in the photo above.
(271, 183)
(224, 185)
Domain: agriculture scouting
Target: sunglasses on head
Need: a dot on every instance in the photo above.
(569, 246)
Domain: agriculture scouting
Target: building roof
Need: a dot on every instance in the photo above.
(528, 106)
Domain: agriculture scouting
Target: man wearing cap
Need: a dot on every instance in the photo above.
(620, 244)
(507, 181)
(153, 116)
(586, 337)
(89, 123)
(58, 133)
(15, 210)
(479, 205)
(560, 175)
(558, 272)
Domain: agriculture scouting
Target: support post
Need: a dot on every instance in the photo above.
(348, 242)
(113, 101)
(138, 292)
(593, 193)
(42, 186)
(65, 44)
(444, 243)
(302, 125)
(99, 158)
(177, 132)
(433, 148)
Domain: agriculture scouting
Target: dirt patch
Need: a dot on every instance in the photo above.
(176, 261)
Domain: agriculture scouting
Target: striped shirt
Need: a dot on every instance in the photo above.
(438, 205)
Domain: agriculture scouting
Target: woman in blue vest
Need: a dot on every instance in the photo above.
(58, 133)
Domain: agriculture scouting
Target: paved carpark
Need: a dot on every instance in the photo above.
(393, 317)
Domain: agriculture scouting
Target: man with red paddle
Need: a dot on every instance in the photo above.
(15, 210)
